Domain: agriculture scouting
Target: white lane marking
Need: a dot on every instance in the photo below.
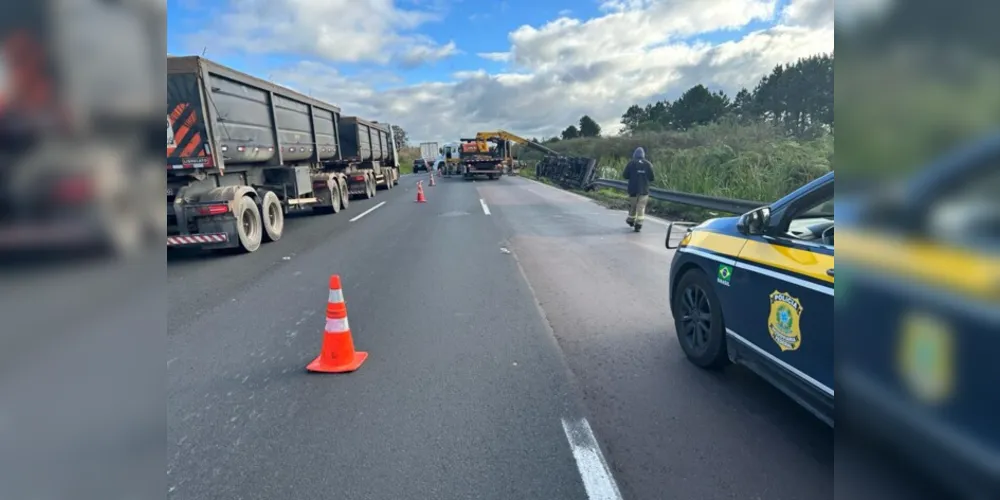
(486, 209)
(594, 470)
(366, 212)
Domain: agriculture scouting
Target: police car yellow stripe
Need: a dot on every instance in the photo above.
(962, 271)
(795, 261)
(715, 242)
(799, 262)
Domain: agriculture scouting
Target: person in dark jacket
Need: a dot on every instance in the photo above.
(639, 174)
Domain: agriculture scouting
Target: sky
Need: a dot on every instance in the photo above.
(445, 69)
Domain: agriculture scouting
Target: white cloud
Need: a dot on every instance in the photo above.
(495, 56)
(419, 54)
(331, 30)
(641, 51)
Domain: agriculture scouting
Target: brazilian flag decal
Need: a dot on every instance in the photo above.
(725, 274)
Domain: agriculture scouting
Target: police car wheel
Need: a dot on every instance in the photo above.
(698, 321)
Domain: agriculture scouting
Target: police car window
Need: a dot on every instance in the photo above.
(969, 214)
(814, 224)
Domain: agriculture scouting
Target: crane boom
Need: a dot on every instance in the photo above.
(507, 136)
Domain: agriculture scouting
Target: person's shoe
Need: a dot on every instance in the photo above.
(630, 223)
(637, 227)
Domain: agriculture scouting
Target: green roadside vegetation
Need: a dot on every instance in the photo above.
(406, 157)
(757, 146)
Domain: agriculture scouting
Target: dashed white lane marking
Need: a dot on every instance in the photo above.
(366, 212)
(594, 470)
(486, 209)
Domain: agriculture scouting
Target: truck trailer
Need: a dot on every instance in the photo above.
(368, 157)
(429, 151)
(243, 152)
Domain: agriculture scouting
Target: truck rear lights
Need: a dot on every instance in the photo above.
(73, 189)
(213, 209)
(359, 178)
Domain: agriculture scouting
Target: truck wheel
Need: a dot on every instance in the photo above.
(335, 201)
(698, 321)
(248, 225)
(369, 187)
(345, 195)
(272, 216)
(395, 177)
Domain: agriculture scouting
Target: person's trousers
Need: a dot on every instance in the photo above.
(637, 209)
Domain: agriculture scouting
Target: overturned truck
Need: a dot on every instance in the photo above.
(568, 172)
(242, 152)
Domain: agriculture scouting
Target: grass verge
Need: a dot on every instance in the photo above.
(754, 162)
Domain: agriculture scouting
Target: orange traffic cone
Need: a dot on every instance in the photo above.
(420, 192)
(337, 354)
(432, 178)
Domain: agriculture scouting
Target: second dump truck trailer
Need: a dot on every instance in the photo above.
(243, 152)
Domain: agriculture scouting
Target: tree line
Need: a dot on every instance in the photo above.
(797, 97)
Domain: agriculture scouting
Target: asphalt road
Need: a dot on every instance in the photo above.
(504, 320)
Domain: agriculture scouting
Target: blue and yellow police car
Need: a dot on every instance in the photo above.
(758, 290)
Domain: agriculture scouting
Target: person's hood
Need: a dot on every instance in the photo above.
(639, 154)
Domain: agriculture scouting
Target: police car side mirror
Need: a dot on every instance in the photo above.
(754, 222)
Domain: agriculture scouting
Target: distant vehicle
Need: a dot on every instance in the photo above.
(449, 161)
(758, 290)
(419, 165)
(429, 151)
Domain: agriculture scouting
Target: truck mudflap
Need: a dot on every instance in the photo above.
(197, 239)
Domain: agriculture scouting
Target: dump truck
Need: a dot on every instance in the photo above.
(368, 158)
(77, 171)
(243, 152)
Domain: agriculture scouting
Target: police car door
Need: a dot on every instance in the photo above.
(785, 278)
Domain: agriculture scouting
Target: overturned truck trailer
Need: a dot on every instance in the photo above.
(242, 152)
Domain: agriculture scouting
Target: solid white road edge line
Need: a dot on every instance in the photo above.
(366, 212)
(486, 209)
(594, 470)
(591, 200)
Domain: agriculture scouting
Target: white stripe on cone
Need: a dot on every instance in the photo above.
(337, 325)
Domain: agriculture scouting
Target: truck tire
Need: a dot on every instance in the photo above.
(332, 201)
(335, 198)
(395, 177)
(369, 187)
(698, 321)
(345, 195)
(272, 217)
(248, 225)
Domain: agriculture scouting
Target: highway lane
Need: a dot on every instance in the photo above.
(670, 430)
(198, 281)
(468, 381)
(463, 396)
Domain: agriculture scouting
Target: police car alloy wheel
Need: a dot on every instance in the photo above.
(698, 321)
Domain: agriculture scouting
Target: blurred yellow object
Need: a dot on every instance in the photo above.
(926, 357)
(958, 270)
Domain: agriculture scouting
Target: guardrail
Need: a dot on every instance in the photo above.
(581, 173)
(728, 205)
